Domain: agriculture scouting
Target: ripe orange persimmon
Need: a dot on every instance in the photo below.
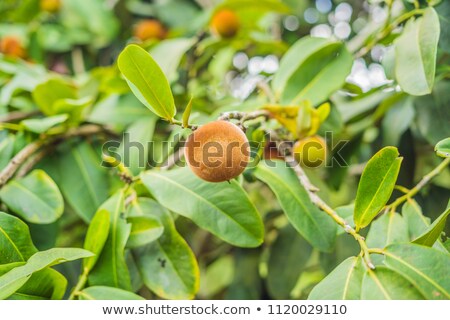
(12, 47)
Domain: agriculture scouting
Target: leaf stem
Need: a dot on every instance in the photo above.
(80, 284)
(386, 31)
(311, 189)
(411, 193)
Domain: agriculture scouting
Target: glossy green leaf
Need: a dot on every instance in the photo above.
(386, 284)
(15, 240)
(397, 120)
(82, 180)
(426, 267)
(311, 70)
(42, 125)
(376, 185)
(111, 269)
(167, 266)
(47, 94)
(144, 229)
(224, 209)
(415, 54)
(288, 256)
(343, 283)
(36, 198)
(107, 293)
(147, 81)
(313, 224)
(433, 233)
(96, 237)
(11, 281)
(442, 148)
(46, 284)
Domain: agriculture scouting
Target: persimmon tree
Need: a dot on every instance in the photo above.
(315, 187)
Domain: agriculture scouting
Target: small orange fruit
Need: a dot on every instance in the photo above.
(311, 151)
(225, 23)
(218, 151)
(149, 29)
(12, 47)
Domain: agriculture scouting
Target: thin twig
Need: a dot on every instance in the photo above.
(243, 116)
(317, 201)
(18, 115)
(34, 146)
(31, 162)
(412, 192)
(173, 159)
(387, 31)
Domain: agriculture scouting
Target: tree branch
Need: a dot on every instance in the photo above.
(33, 147)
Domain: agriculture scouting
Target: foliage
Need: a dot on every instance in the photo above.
(93, 117)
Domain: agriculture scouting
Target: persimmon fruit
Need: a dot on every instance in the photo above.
(225, 23)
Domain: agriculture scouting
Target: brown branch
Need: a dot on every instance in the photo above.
(24, 154)
(18, 115)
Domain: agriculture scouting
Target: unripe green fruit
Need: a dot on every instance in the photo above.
(311, 151)
(218, 151)
(225, 23)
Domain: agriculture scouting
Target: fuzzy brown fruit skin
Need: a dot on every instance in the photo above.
(149, 29)
(311, 151)
(50, 5)
(218, 151)
(225, 23)
(11, 46)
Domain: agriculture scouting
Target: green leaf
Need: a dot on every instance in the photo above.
(147, 81)
(376, 185)
(343, 283)
(430, 236)
(311, 70)
(443, 11)
(386, 284)
(47, 94)
(96, 237)
(107, 293)
(15, 240)
(6, 150)
(313, 224)
(389, 228)
(224, 209)
(168, 54)
(288, 256)
(426, 267)
(11, 281)
(144, 229)
(82, 180)
(415, 54)
(42, 125)
(217, 276)
(397, 120)
(46, 284)
(111, 269)
(167, 266)
(418, 224)
(247, 283)
(36, 198)
(442, 148)
(134, 148)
